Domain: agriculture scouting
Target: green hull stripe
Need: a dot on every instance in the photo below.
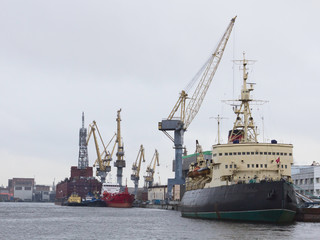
(272, 215)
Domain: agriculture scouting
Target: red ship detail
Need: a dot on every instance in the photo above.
(118, 200)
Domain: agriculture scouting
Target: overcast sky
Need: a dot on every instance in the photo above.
(59, 58)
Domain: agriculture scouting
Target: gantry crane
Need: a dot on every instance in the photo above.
(135, 176)
(120, 163)
(103, 162)
(151, 169)
(187, 114)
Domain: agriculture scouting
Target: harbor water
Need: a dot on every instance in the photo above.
(48, 221)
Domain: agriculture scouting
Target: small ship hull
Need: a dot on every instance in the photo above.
(118, 200)
(272, 202)
(94, 203)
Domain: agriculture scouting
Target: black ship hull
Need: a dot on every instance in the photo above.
(273, 202)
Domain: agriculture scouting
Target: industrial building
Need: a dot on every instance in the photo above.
(5, 195)
(157, 193)
(21, 188)
(41, 193)
(307, 179)
(25, 189)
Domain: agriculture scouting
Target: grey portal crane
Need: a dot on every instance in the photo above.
(187, 114)
(151, 169)
(135, 176)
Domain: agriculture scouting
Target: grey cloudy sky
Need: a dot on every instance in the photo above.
(59, 58)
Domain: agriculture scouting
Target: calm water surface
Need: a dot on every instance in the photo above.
(48, 221)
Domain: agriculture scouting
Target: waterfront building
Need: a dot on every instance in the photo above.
(157, 193)
(4, 194)
(21, 188)
(41, 193)
(307, 179)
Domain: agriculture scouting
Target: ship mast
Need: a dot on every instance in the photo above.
(244, 129)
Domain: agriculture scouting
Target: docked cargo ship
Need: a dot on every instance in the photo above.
(245, 180)
(113, 196)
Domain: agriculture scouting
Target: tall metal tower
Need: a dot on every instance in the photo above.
(120, 163)
(83, 161)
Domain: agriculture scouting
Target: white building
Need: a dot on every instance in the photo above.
(22, 188)
(157, 192)
(307, 179)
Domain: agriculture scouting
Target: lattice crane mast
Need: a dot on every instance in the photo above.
(135, 176)
(102, 163)
(151, 169)
(188, 113)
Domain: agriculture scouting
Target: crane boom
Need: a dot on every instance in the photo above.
(207, 76)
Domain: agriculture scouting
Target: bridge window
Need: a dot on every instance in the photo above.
(226, 166)
(248, 165)
(265, 165)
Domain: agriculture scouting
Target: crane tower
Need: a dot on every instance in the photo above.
(135, 176)
(120, 163)
(151, 170)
